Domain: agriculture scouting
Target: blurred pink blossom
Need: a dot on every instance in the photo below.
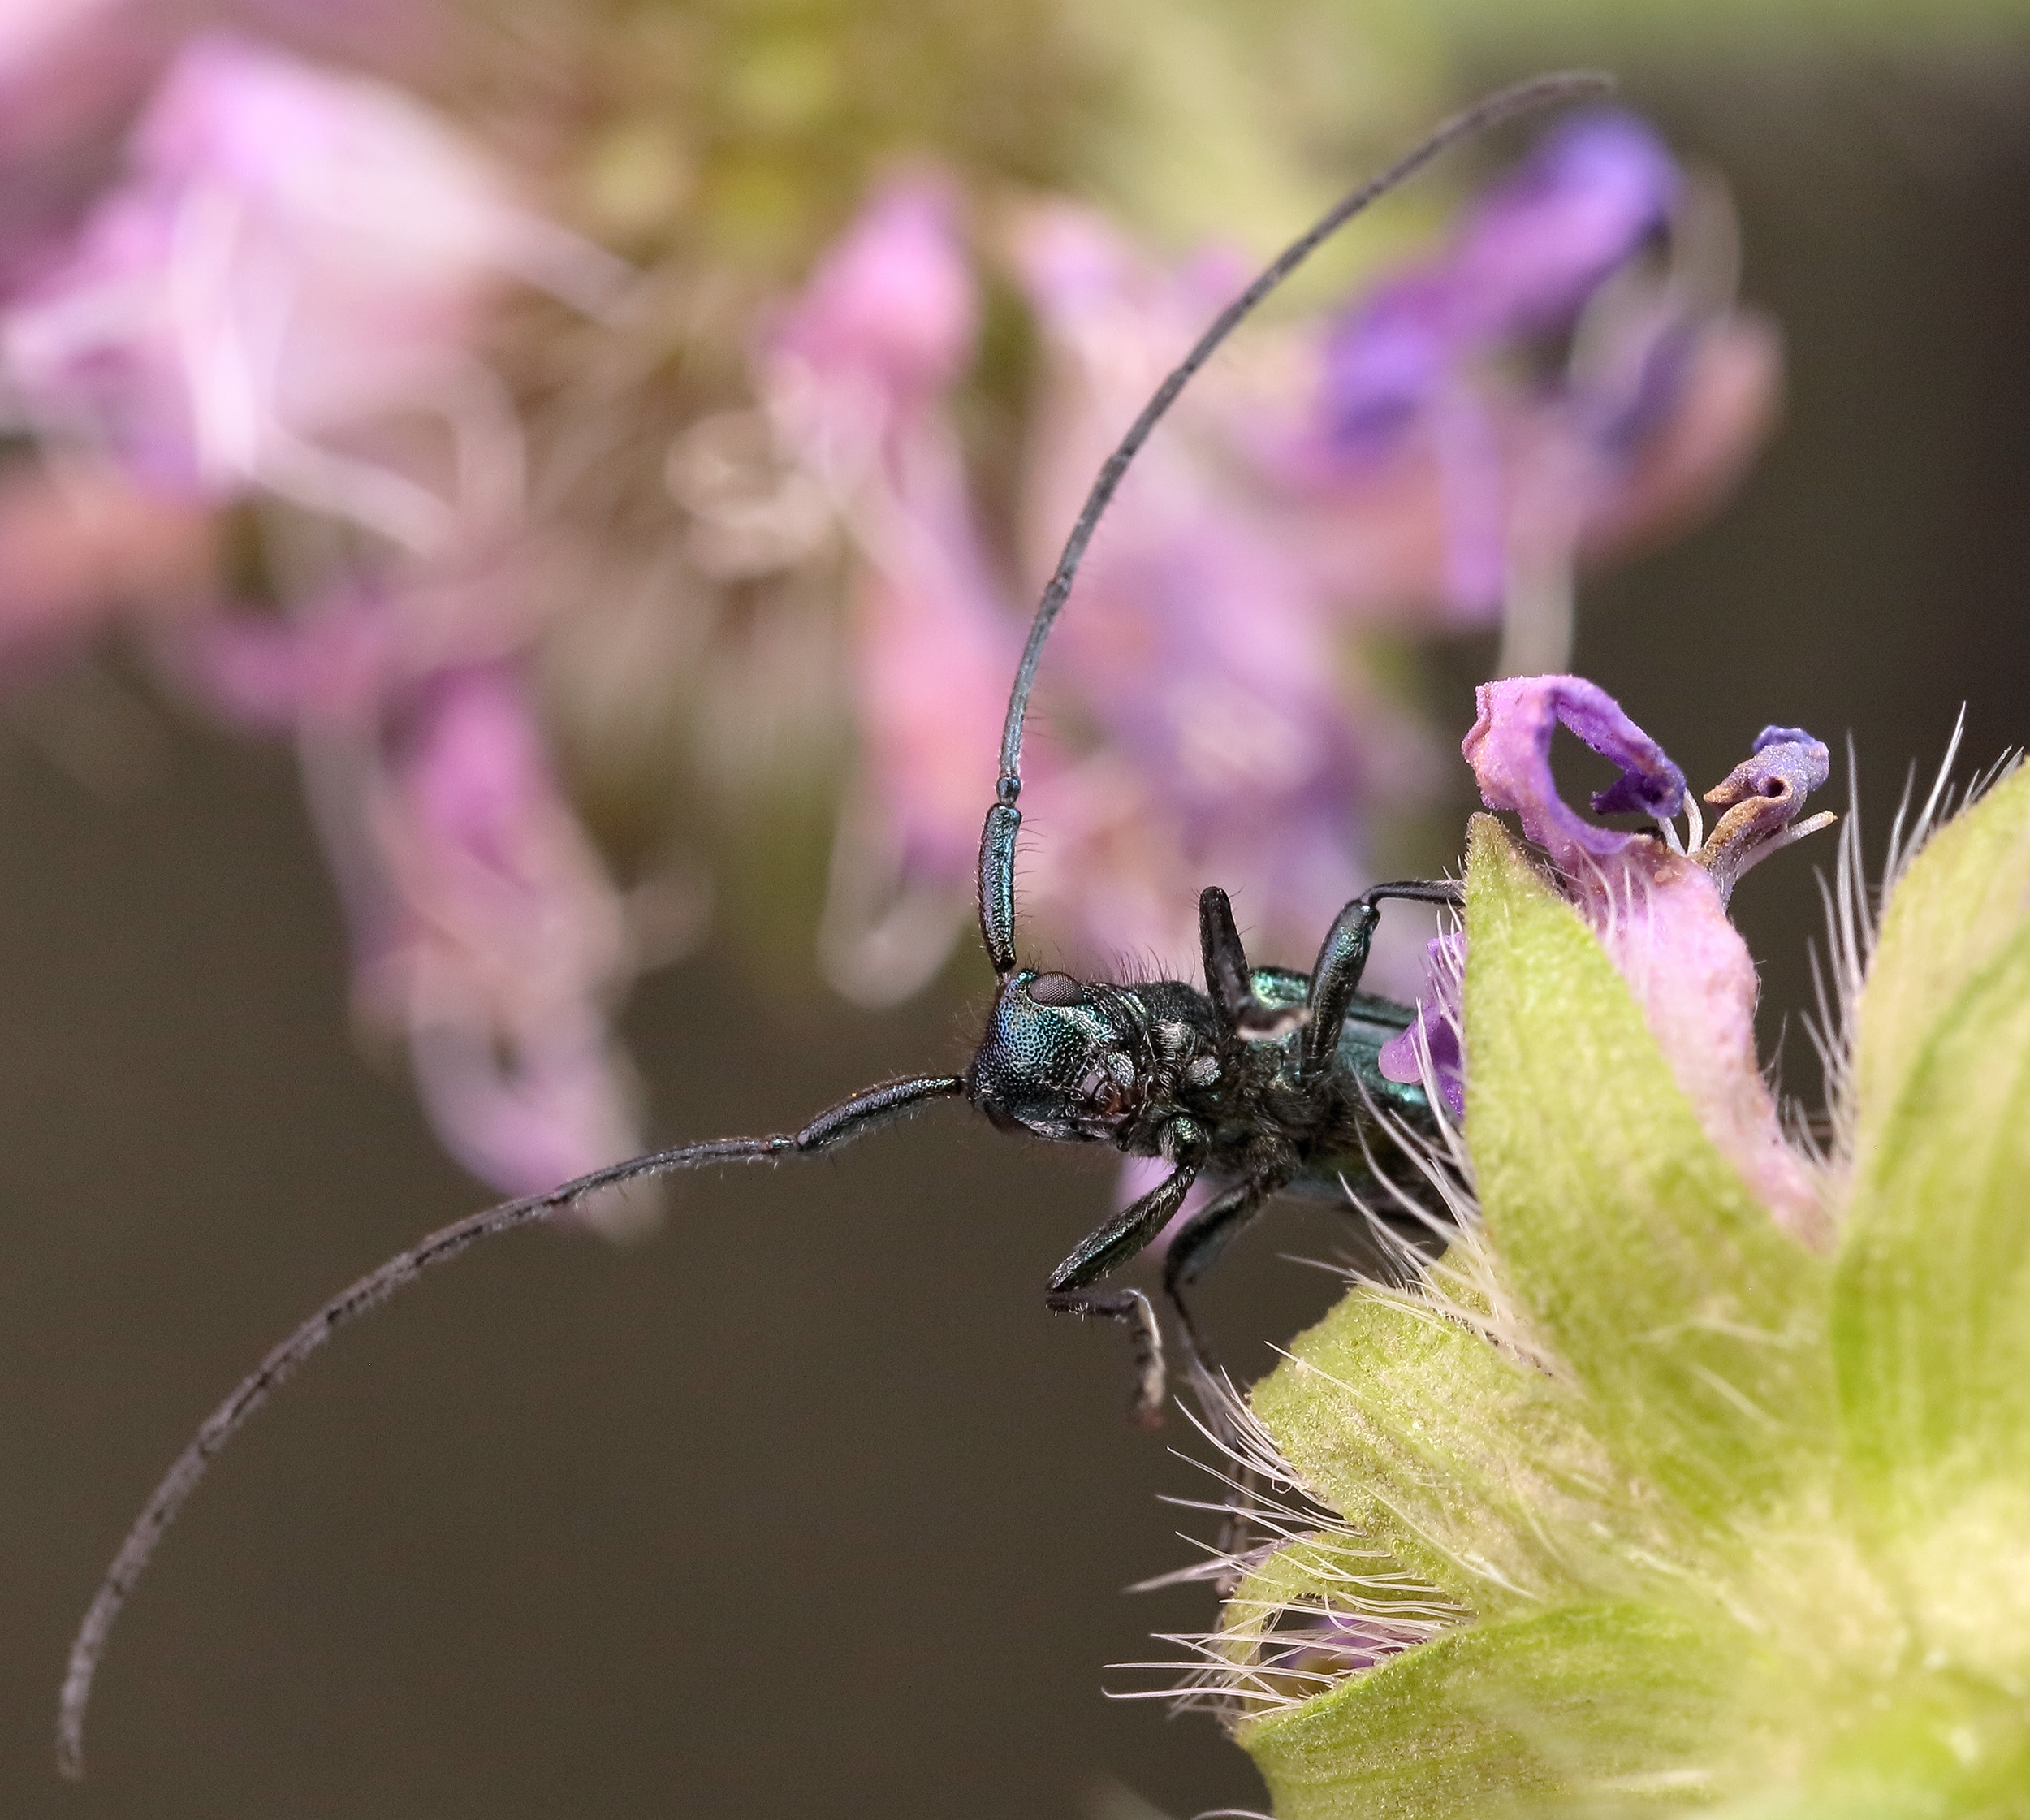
(488, 936)
(70, 71)
(283, 297)
(858, 373)
(487, 933)
(295, 255)
(881, 331)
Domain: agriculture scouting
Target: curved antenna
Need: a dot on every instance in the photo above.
(852, 1118)
(997, 840)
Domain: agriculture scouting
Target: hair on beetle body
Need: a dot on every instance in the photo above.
(1265, 1083)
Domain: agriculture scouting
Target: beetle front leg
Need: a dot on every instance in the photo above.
(1335, 978)
(1197, 1242)
(1128, 1232)
(1202, 1238)
(1115, 1243)
(1343, 959)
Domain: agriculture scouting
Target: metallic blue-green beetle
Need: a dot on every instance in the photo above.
(1266, 1081)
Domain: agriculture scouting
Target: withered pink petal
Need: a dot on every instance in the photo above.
(1665, 925)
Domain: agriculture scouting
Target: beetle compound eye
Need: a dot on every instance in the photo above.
(1055, 988)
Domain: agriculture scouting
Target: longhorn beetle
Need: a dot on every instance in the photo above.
(1266, 1082)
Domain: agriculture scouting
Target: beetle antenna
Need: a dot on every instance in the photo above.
(852, 1118)
(997, 840)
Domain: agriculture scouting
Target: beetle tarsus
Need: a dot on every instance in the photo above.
(1131, 1307)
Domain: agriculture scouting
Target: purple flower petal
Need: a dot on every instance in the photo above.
(1660, 915)
(1762, 796)
(1383, 363)
(1532, 252)
(1510, 750)
(1797, 735)
(1440, 1017)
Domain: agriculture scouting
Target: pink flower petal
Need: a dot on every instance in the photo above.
(1660, 915)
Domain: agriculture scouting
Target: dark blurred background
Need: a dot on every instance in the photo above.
(806, 1505)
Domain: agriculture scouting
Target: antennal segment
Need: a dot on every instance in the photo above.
(852, 1118)
(997, 844)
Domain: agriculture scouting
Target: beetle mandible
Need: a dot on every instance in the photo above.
(1266, 1082)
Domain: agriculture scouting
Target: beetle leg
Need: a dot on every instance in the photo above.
(1444, 891)
(1197, 1242)
(1126, 1233)
(1343, 959)
(1227, 979)
(1201, 1239)
(1131, 1307)
(1335, 978)
(1115, 1243)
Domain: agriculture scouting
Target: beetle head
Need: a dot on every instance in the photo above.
(1057, 1059)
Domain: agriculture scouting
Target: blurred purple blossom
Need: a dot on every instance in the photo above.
(1525, 261)
(1205, 713)
(283, 295)
(1533, 251)
(1652, 389)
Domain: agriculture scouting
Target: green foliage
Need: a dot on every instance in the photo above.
(1652, 1270)
(1500, 1717)
(1930, 1333)
(1958, 903)
(1725, 1525)
(1493, 1492)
